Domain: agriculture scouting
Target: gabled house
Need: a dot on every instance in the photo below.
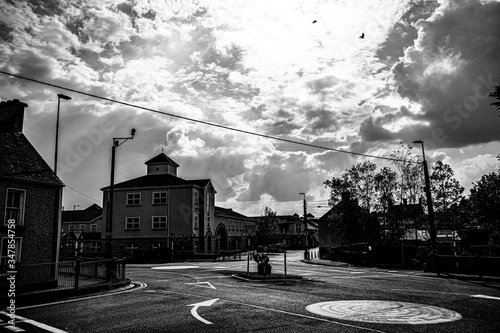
(346, 223)
(158, 213)
(406, 222)
(87, 223)
(30, 195)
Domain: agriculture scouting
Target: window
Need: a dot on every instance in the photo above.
(159, 222)
(94, 247)
(159, 198)
(195, 220)
(156, 246)
(93, 227)
(298, 227)
(14, 207)
(208, 202)
(132, 223)
(71, 228)
(11, 250)
(82, 227)
(196, 197)
(133, 199)
(131, 247)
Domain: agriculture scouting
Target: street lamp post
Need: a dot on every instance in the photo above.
(306, 255)
(432, 227)
(59, 96)
(109, 222)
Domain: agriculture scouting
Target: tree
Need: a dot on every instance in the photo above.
(267, 225)
(496, 94)
(411, 173)
(445, 189)
(358, 181)
(485, 204)
(385, 185)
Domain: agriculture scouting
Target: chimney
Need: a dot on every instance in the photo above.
(11, 116)
(405, 201)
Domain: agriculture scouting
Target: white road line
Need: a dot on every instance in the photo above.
(428, 292)
(35, 323)
(275, 310)
(119, 291)
(486, 296)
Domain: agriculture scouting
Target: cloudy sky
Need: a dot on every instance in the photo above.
(423, 71)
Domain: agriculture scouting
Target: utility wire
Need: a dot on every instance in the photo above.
(93, 200)
(200, 121)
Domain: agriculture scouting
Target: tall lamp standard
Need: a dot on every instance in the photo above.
(432, 227)
(306, 255)
(109, 222)
(59, 96)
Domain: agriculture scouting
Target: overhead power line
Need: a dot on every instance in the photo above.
(201, 121)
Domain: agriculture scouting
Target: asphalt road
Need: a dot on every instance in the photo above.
(206, 297)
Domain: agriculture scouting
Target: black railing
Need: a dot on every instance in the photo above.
(63, 275)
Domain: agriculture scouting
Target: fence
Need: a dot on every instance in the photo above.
(63, 275)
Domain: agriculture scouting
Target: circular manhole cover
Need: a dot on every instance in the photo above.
(386, 312)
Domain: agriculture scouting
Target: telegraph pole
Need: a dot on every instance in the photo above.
(306, 254)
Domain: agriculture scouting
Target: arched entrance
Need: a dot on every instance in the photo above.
(221, 238)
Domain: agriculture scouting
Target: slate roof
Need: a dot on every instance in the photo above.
(158, 181)
(162, 158)
(88, 214)
(21, 161)
(228, 212)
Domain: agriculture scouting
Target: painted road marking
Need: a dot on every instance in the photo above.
(14, 328)
(201, 284)
(486, 296)
(173, 267)
(359, 328)
(35, 323)
(384, 312)
(197, 305)
(125, 289)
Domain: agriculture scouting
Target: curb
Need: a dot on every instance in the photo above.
(61, 294)
(268, 278)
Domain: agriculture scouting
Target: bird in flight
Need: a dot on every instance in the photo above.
(362, 35)
(314, 21)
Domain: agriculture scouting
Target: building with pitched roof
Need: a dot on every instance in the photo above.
(87, 223)
(160, 212)
(233, 231)
(31, 194)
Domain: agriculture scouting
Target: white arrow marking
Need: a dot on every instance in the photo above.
(199, 284)
(197, 305)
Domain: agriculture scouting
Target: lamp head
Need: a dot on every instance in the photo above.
(63, 96)
(132, 132)
(418, 141)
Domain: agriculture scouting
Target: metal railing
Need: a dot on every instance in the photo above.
(63, 275)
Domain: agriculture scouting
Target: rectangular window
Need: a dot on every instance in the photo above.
(11, 250)
(196, 220)
(94, 247)
(132, 223)
(93, 227)
(196, 197)
(82, 227)
(14, 207)
(208, 202)
(133, 199)
(131, 247)
(298, 227)
(159, 198)
(71, 228)
(159, 222)
(156, 246)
